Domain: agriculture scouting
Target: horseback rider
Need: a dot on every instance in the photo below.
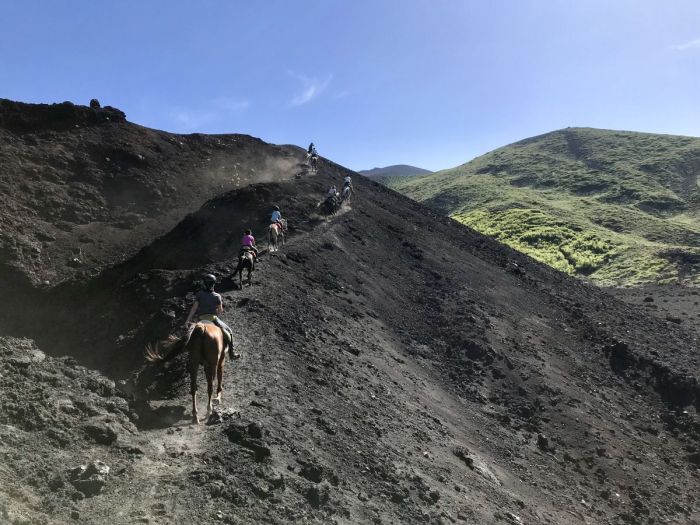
(206, 307)
(276, 218)
(332, 201)
(347, 187)
(311, 152)
(248, 244)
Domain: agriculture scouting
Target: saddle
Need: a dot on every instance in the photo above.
(213, 319)
(242, 255)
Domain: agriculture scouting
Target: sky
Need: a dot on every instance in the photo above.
(431, 83)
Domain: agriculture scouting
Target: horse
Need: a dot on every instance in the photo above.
(205, 343)
(274, 232)
(331, 204)
(245, 260)
(345, 195)
(314, 162)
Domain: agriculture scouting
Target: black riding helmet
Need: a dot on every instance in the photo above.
(209, 281)
(276, 208)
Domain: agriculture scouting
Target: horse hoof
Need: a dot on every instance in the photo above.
(195, 420)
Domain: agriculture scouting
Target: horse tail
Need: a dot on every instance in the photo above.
(172, 346)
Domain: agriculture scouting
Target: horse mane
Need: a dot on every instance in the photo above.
(172, 346)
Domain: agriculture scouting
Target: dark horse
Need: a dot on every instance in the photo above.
(245, 260)
(205, 343)
(331, 204)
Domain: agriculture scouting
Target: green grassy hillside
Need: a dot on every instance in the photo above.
(389, 175)
(621, 208)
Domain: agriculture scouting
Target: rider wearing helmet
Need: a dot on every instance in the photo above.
(347, 187)
(332, 192)
(276, 217)
(312, 150)
(207, 305)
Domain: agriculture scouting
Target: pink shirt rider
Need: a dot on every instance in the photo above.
(248, 240)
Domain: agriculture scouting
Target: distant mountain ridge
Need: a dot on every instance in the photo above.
(397, 170)
(620, 207)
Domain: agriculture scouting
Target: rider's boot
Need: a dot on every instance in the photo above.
(231, 352)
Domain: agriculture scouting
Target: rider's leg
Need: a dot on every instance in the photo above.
(228, 333)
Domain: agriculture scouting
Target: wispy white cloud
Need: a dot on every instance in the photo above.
(342, 94)
(692, 44)
(311, 88)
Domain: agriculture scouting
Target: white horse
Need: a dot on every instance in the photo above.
(275, 235)
(312, 159)
(345, 195)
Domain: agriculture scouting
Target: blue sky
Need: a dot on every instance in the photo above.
(431, 83)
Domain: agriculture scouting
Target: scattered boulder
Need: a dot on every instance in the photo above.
(318, 495)
(244, 434)
(89, 479)
(101, 433)
(261, 489)
(543, 443)
(463, 454)
(312, 472)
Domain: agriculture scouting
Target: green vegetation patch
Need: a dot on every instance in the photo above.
(544, 238)
(615, 206)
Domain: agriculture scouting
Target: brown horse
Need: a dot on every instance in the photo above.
(245, 260)
(205, 343)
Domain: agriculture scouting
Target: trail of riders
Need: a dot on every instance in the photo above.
(203, 322)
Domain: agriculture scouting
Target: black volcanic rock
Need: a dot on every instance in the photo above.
(386, 387)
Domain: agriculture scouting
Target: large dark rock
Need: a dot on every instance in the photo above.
(89, 479)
